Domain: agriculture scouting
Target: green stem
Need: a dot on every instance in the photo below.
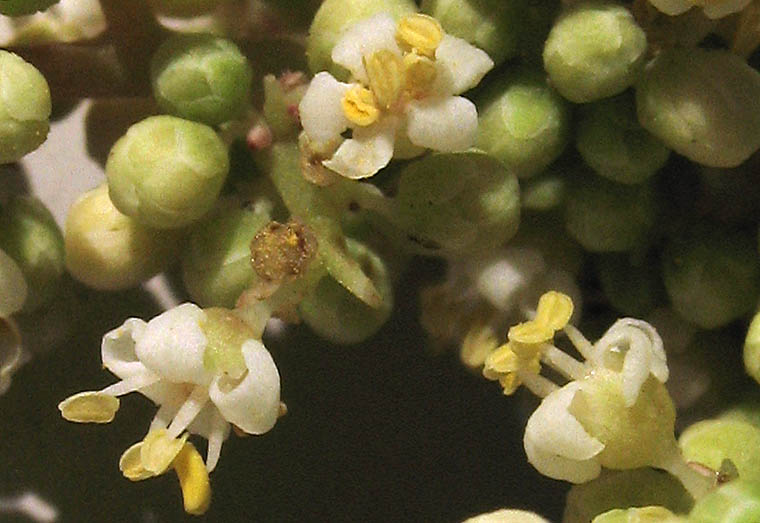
(696, 483)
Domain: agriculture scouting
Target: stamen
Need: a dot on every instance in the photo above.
(89, 407)
(419, 75)
(215, 440)
(420, 32)
(158, 451)
(163, 417)
(188, 411)
(385, 71)
(537, 384)
(130, 464)
(193, 479)
(554, 310)
(579, 341)
(563, 363)
(131, 384)
(360, 107)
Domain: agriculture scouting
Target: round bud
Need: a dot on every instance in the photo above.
(605, 216)
(711, 275)
(334, 17)
(201, 77)
(166, 172)
(457, 202)
(30, 236)
(339, 316)
(632, 288)
(593, 51)
(491, 25)
(752, 349)
(709, 442)
(24, 7)
(107, 250)
(24, 107)
(613, 143)
(523, 122)
(651, 514)
(704, 104)
(216, 265)
(737, 501)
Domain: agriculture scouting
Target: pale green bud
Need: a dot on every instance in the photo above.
(24, 7)
(593, 51)
(201, 77)
(334, 17)
(107, 250)
(631, 286)
(166, 172)
(704, 104)
(30, 236)
(752, 348)
(710, 442)
(337, 315)
(737, 501)
(711, 275)
(491, 25)
(651, 514)
(523, 122)
(24, 107)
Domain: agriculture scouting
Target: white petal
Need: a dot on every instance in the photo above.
(362, 39)
(370, 149)
(253, 403)
(321, 111)
(716, 10)
(12, 286)
(117, 349)
(173, 344)
(672, 7)
(505, 276)
(460, 65)
(557, 444)
(444, 124)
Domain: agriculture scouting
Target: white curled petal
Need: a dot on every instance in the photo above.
(12, 286)
(321, 111)
(636, 367)
(447, 124)
(369, 150)
(173, 345)
(460, 65)
(502, 278)
(117, 349)
(672, 7)
(362, 39)
(252, 403)
(556, 443)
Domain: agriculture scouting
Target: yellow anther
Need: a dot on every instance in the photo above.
(419, 75)
(510, 383)
(501, 360)
(131, 465)
(158, 450)
(554, 310)
(420, 32)
(360, 107)
(193, 479)
(385, 71)
(89, 407)
(530, 332)
(478, 343)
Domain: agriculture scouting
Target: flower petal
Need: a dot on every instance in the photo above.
(117, 349)
(252, 403)
(321, 110)
(444, 124)
(460, 65)
(173, 345)
(362, 39)
(12, 286)
(370, 149)
(557, 444)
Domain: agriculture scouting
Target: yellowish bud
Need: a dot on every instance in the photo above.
(420, 32)
(360, 107)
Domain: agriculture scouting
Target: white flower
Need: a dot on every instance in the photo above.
(712, 8)
(405, 81)
(199, 386)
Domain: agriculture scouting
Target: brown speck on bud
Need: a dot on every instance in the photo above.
(259, 137)
(282, 252)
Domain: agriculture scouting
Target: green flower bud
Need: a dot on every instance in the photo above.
(711, 275)
(593, 51)
(216, 266)
(339, 316)
(622, 489)
(166, 172)
(710, 442)
(523, 122)
(632, 288)
(458, 202)
(107, 250)
(334, 17)
(491, 25)
(737, 501)
(201, 77)
(752, 349)
(637, 436)
(24, 7)
(704, 104)
(29, 235)
(651, 514)
(24, 107)
(613, 143)
(543, 193)
(604, 216)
